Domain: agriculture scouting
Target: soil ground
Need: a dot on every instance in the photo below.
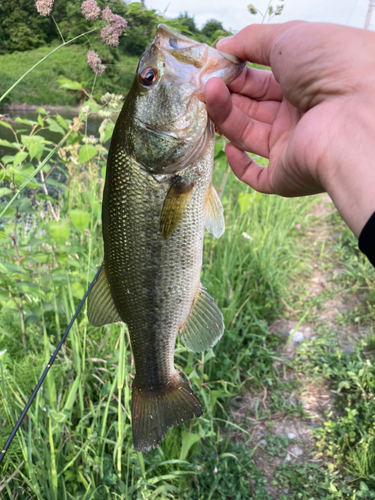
(281, 437)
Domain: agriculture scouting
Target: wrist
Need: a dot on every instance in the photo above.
(350, 180)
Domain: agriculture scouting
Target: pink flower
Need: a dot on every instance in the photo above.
(90, 10)
(107, 15)
(95, 62)
(116, 25)
(44, 7)
(298, 226)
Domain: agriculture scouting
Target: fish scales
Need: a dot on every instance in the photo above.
(157, 201)
(160, 281)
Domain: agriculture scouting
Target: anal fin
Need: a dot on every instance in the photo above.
(205, 324)
(215, 223)
(101, 309)
(154, 411)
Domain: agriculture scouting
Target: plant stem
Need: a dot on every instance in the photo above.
(58, 29)
(43, 59)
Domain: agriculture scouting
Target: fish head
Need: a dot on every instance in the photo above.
(170, 126)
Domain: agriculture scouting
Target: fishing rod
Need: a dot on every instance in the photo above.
(46, 370)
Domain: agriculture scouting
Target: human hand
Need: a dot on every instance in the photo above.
(313, 116)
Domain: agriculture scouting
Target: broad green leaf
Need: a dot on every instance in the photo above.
(65, 83)
(29, 287)
(22, 173)
(220, 154)
(78, 290)
(54, 126)
(10, 212)
(19, 158)
(80, 219)
(86, 153)
(4, 237)
(94, 106)
(363, 486)
(9, 306)
(42, 111)
(61, 259)
(135, 7)
(62, 122)
(5, 191)
(59, 417)
(40, 257)
(108, 132)
(25, 121)
(47, 167)
(42, 196)
(214, 395)
(5, 124)
(4, 142)
(33, 150)
(23, 205)
(7, 159)
(52, 182)
(188, 439)
(209, 355)
(33, 139)
(59, 231)
(40, 121)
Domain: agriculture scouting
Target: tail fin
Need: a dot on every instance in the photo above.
(153, 411)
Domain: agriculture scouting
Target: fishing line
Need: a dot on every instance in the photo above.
(46, 370)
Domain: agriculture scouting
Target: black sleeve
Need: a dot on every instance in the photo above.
(366, 240)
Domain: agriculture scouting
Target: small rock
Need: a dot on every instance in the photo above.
(298, 336)
(287, 458)
(296, 451)
(263, 442)
(286, 491)
(291, 435)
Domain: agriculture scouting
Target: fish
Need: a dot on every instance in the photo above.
(157, 200)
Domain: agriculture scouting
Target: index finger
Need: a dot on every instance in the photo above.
(255, 42)
(259, 84)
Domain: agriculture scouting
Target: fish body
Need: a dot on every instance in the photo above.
(157, 200)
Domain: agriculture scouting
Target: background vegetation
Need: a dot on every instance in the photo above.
(26, 37)
(76, 441)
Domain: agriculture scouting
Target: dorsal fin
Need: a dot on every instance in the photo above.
(215, 223)
(205, 325)
(101, 309)
(174, 206)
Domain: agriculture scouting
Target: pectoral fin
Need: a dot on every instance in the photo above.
(174, 206)
(215, 223)
(101, 309)
(205, 325)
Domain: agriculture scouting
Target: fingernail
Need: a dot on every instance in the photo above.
(223, 41)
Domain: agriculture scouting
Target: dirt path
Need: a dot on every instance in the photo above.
(284, 437)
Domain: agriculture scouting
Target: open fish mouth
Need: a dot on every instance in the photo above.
(195, 62)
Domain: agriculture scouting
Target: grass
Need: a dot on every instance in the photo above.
(76, 441)
(41, 86)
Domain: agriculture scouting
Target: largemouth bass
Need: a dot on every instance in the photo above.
(157, 200)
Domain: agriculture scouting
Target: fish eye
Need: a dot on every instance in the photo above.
(148, 76)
